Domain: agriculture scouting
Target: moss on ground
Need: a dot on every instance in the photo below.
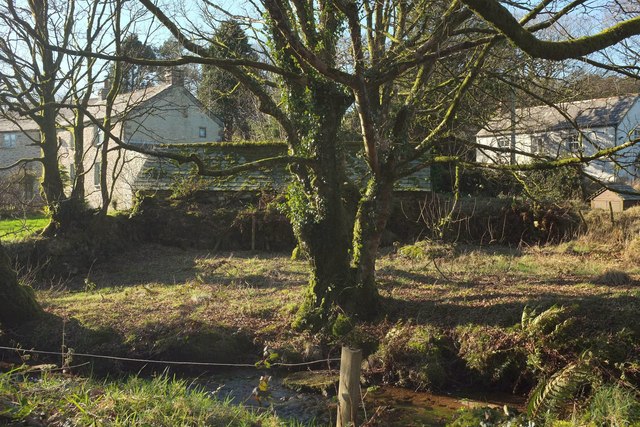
(325, 382)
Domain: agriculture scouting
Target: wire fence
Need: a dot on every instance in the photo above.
(260, 364)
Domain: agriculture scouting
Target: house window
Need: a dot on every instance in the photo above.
(96, 175)
(71, 141)
(98, 137)
(635, 134)
(10, 140)
(29, 184)
(202, 132)
(504, 142)
(538, 145)
(573, 143)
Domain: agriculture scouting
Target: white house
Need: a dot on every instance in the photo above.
(578, 128)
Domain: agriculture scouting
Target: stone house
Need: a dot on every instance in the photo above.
(168, 117)
(571, 129)
(165, 114)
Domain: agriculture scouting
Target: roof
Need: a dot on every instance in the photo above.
(17, 124)
(160, 174)
(591, 113)
(624, 191)
(123, 103)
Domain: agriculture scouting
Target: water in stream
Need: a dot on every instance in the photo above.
(389, 406)
(307, 408)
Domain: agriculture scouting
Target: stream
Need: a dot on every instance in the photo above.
(389, 406)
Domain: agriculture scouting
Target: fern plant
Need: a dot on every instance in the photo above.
(539, 332)
(552, 394)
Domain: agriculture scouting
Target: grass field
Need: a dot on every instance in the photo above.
(19, 228)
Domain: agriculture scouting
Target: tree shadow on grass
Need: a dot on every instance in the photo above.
(391, 276)
(603, 311)
(51, 333)
(156, 264)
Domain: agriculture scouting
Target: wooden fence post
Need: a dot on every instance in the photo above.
(611, 213)
(349, 388)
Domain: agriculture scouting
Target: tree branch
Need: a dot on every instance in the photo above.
(499, 17)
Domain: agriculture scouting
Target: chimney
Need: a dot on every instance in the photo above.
(105, 89)
(175, 76)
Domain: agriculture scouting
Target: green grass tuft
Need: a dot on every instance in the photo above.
(20, 228)
(54, 399)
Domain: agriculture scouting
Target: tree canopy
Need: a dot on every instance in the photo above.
(219, 90)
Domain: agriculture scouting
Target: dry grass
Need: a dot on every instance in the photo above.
(613, 278)
(492, 286)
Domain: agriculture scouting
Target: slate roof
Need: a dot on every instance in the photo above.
(624, 191)
(18, 124)
(592, 113)
(124, 103)
(159, 174)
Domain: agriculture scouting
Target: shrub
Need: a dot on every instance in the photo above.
(613, 278)
(415, 356)
(225, 223)
(621, 232)
(342, 325)
(495, 220)
(493, 354)
(632, 250)
(18, 195)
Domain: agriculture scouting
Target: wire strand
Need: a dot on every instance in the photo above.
(259, 364)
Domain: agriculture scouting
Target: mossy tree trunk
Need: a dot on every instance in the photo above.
(322, 206)
(46, 85)
(17, 303)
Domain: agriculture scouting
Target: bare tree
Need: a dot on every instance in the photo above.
(41, 84)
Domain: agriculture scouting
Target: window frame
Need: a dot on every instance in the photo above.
(503, 142)
(202, 131)
(10, 140)
(98, 137)
(539, 144)
(573, 142)
(97, 171)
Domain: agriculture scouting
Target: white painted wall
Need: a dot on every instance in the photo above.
(593, 139)
(629, 169)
